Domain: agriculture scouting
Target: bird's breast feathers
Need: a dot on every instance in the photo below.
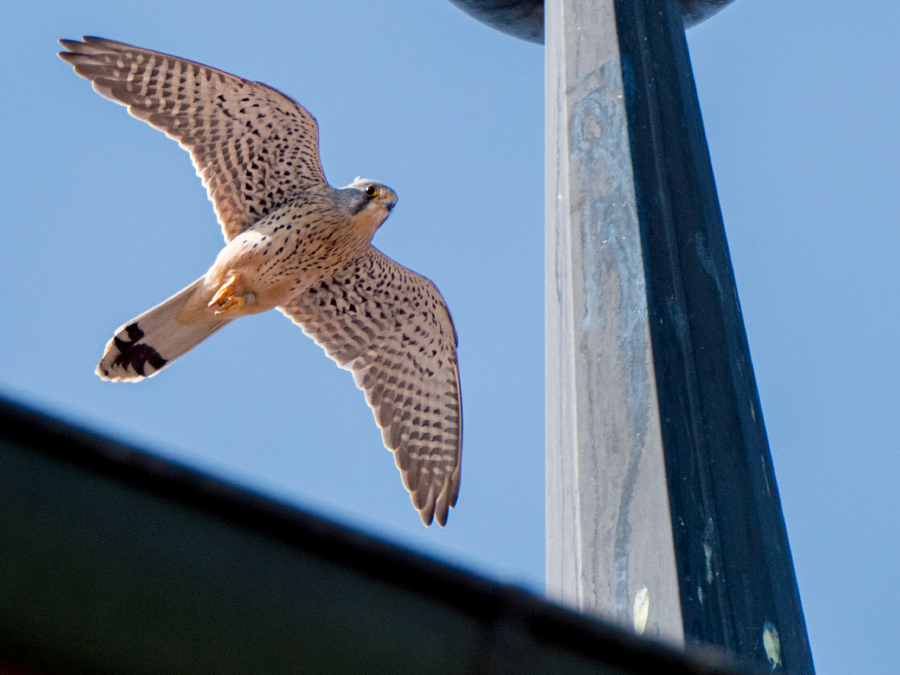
(282, 255)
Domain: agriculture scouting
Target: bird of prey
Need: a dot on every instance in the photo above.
(293, 243)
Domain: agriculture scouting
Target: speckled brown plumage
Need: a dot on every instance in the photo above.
(254, 147)
(391, 328)
(295, 243)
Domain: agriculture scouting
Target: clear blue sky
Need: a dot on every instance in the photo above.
(103, 217)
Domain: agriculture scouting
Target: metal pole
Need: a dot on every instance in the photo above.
(609, 535)
(662, 508)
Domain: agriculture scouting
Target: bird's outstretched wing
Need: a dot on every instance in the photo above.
(391, 327)
(254, 148)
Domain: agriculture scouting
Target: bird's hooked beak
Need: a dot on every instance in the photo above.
(389, 199)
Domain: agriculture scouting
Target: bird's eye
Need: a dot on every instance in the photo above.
(371, 191)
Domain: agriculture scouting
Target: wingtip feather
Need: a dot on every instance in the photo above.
(441, 506)
(454, 486)
(86, 46)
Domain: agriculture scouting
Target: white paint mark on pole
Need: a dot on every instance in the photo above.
(641, 610)
(771, 644)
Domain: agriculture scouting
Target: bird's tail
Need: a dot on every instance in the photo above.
(148, 343)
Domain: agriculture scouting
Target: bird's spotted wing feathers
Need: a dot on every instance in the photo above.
(254, 147)
(391, 327)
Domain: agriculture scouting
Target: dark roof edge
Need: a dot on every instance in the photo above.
(370, 555)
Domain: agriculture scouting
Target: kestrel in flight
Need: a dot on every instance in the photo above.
(293, 243)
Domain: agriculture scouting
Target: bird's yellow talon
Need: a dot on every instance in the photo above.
(224, 291)
(225, 299)
(231, 304)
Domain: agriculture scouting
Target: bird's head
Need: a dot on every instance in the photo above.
(372, 195)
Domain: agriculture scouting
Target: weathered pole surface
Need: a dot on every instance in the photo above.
(609, 535)
(662, 508)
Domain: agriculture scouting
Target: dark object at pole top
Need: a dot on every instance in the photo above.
(525, 18)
